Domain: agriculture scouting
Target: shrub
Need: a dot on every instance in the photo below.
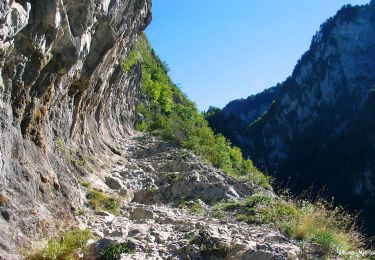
(99, 200)
(114, 251)
(68, 246)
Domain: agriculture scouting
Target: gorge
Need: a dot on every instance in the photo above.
(103, 157)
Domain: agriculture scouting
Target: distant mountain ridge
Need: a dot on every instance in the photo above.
(319, 131)
(252, 107)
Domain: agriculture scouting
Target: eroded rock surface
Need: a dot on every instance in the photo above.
(63, 102)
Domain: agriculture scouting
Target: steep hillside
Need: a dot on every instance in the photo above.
(319, 131)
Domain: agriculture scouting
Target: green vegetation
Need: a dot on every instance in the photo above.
(81, 212)
(114, 252)
(167, 111)
(99, 200)
(172, 177)
(85, 184)
(329, 227)
(70, 155)
(209, 247)
(68, 246)
(192, 206)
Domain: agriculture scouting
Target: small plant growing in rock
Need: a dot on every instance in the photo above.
(119, 147)
(70, 155)
(85, 184)
(172, 177)
(81, 212)
(114, 251)
(192, 206)
(208, 246)
(69, 245)
(100, 201)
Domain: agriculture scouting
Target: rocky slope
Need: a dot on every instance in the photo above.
(153, 221)
(63, 102)
(319, 131)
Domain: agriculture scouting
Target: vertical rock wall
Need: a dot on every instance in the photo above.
(60, 82)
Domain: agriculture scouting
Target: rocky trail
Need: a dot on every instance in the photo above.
(153, 179)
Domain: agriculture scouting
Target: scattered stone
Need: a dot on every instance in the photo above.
(107, 217)
(113, 183)
(126, 196)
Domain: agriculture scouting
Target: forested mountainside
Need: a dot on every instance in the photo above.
(103, 157)
(234, 118)
(319, 131)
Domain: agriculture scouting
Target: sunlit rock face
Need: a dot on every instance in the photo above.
(61, 82)
(319, 131)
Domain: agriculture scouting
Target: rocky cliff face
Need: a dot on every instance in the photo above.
(63, 102)
(319, 131)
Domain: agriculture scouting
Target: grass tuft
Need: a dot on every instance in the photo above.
(115, 251)
(330, 227)
(85, 184)
(192, 206)
(69, 246)
(99, 200)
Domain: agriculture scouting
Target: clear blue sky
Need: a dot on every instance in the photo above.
(220, 50)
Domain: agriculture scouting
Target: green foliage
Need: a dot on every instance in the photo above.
(177, 119)
(81, 212)
(99, 200)
(68, 246)
(70, 155)
(114, 251)
(85, 184)
(172, 177)
(192, 206)
(319, 222)
(132, 59)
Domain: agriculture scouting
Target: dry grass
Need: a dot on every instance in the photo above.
(330, 227)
